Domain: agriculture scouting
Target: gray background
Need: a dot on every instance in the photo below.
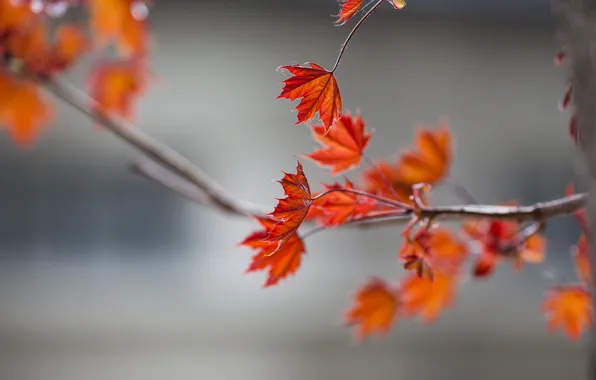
(104, 275)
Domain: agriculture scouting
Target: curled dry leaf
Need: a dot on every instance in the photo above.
(319, 92)
(344, 143)
(283, 263)
(569, 308)
(375, 309)
(337, 207)
(291, 210)
(123, 22)
(22, 109)
(427, 298)
(116, 86)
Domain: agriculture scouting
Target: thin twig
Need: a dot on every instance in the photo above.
(353, 31)
(152, 148)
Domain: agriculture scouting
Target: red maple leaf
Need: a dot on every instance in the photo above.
(570, 309)
(337, 207)
(375, 309)
(319, 92)
(344, 143)
(281, 262)
(291, 210)
(348, 8)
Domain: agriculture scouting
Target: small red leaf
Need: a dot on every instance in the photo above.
(319, 92)
(348, 8)
(344, 143)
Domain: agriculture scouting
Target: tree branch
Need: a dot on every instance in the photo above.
(178, 174)
(211, 191)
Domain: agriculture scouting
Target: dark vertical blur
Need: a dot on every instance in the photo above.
(104, 275)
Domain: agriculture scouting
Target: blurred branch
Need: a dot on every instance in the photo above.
(211, 191)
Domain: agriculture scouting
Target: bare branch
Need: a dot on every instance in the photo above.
(152, 148)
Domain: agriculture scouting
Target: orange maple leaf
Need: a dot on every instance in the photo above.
(291, 210)
(375, 309)
(319, 92)
(436, 249)
(344, 143)
(31, 45)
(428, 164)
(348, 8)
(121, 21)
(337, 208)
(22, 109)
(431, 162)
(426, 297)
(569, 308)
(280, 265)
(116, 85)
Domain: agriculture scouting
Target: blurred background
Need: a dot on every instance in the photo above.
(104, 275)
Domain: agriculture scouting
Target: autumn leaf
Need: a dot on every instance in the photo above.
(319, 92)
(503, 240)
(398, 4)
(336, 208)
(291, 210)
(431, 161)
(32, 47)
(123, 22)
(384, 179)
(348, 8)
(427, 298)
(279, 263)
(375, 309)
(344, 143)
(22, 109)
(116, 86)
(429, 250)
(14, 15)
(569, 308)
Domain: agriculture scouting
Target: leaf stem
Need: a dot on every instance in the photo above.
(353, 31)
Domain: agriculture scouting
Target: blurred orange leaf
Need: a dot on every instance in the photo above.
(569, 308)
(431, 161)
(22, 109)
(348, 8)
(429, 164)
(121, 21)
(337, 208)
(425, 297)
(291, 210)
(279, 263)
(14, 15)
(374, 310)
(436, 249)
(319, 92)
(344, 143)
(116, 86)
